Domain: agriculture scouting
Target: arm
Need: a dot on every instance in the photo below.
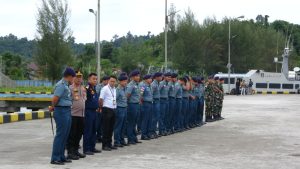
(58, 92)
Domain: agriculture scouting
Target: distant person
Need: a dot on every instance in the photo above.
(243, 87)
(77, 111)
(250, 87)
(237, 87)
(61, 104)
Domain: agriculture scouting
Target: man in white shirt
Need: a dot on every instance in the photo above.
(108, 105)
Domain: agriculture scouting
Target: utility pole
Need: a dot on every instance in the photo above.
(166, 35)
(99, 48)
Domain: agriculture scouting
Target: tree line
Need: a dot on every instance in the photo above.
(193, 47)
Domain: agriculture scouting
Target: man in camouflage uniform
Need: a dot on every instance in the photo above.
(218, 99)
(209, 99)
(221, 82)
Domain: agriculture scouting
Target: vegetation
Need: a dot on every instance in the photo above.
(26, 89)
(193, 47)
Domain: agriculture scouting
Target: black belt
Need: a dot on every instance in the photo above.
(178, 98)
(133, 103)
(172, 97)
(156, 99)
(109, 108)
(121, 107)
(148, 102)
(163, 98)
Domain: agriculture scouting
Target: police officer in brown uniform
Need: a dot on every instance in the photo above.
(77, 112)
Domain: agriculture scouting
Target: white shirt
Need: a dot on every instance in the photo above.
(108, 94)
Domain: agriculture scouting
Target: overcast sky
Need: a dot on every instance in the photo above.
(138, 16)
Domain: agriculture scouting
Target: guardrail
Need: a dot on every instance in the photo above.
(15, 117)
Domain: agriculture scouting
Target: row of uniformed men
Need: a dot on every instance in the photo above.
(166, 103)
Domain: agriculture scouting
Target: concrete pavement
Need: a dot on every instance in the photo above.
(259, 132)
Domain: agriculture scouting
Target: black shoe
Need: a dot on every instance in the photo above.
(106, 149)
(113, 147)
(99, 140)
(73, 157)
(96, 151)
(118, 145)
(145, 138)
(67, 161)
(125, 144)
(80, 155)
(57, 163)
(131, 142)
(88, 153)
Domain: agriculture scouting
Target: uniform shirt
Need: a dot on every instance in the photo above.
(185, 92)
(155, 88)
(109, 94)
(197, 91)
(146, 92)
(121, 96)
(98, 88)
(164, 89)
(193, 91)
(178, 90)
(201, 89)
(171, 89)
(79, 97)
(133, 90)
(63, 91)
(92, 101)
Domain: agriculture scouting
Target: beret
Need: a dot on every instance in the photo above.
(195, 79)
(211, 77)
(134, 73)
(122, 78)
(148, 76)
(123, 74)
(174, 75)
(157, 74)
(167, 74)
(69, 72)
(216, 78)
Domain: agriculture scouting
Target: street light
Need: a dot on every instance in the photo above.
(229, 42)
(166, 32)
(97, 38)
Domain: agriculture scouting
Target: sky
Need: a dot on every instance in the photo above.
(137, 16)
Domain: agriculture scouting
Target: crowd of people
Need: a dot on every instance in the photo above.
(115, 114)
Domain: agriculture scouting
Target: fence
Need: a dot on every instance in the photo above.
(33, 83)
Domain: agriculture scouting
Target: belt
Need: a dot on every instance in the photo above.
(162, 98)
(178, 98)
(148, 102)
(171, 97)
(133, 103)
(109, 108)
(156, 98)
(121, 107)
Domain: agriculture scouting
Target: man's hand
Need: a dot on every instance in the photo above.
(51, 108)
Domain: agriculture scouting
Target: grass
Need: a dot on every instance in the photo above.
(26, 89)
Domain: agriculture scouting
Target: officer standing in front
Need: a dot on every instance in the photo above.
(91, 110)
(172, 102)
(178, 123)
(61, 104)
(77, 111)
(156, 104)
(164, 103)
(133, 96)
(185, 102)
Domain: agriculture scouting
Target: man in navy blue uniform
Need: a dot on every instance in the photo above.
(61, 104)
(164, 103)
(172, 102)
(156, 104)
(133, 96)
(91, 110)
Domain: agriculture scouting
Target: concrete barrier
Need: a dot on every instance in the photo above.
(15, 117)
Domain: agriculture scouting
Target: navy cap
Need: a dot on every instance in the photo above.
(202, 78)
(216, 78)
(148, 76)
(168, 74)
(134, 73)
(211, 77)
(69, 72)
(123, 74)
(105, 78)
(157, 74)
(195, 79)
(174, 75)
(122, 78)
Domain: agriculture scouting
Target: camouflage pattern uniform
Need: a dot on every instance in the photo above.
(221, 99)
(209, 101)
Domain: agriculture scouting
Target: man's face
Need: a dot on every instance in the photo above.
(168, 78)
(148, 81)
(70, 79)
(123, 83)
(159, 78)
(105, 82)
(174, 79)
(78, 80)
(93, 80)
(222, 82)
(112, 82)
(136, 78)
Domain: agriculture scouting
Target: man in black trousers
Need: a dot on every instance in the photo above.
(108, 104)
